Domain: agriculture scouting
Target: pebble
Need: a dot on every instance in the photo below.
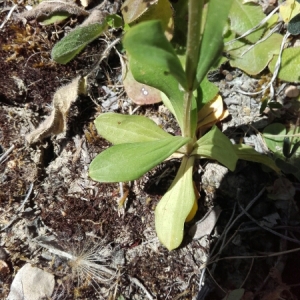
(292, 91)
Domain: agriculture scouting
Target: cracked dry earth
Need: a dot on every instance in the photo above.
(80, 233)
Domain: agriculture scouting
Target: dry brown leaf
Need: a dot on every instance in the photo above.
(62, 100)
(139, 93)
(46, 8)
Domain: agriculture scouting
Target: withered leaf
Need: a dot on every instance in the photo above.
(46, 8)
(62, 100)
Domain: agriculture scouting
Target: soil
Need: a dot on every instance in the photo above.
(49, 204)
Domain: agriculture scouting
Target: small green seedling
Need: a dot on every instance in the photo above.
(140, 145)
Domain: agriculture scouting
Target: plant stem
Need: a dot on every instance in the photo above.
(193, 40)
(187, 118)
(192, 58)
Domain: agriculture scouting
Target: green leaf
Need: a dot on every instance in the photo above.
(114, 21)
(294, 25)
(174, 207)
(212, 40)
(147, 44)
(288, 10)
(56, 17)
(248, 153)
(217, 146)
(120, 129)
(68, 47)
(145, 71)
(290, 65)
(206, 92)
(286, 166)
(274, 136)
(126, 162)
(180, 30)
(235, 295)
(257, 58)
(244, 17)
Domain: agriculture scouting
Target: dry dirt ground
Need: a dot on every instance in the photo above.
(54, 217)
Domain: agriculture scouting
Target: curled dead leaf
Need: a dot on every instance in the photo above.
(46, 8)
(62, 100)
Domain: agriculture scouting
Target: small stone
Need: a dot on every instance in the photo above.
(31, 283)
(229, 77)
(292, 91)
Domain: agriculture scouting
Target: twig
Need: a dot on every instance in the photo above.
(216, 282)
(6, 153)
(139, 284)
(20, 208)
(247, 273)
(267, 228)
(262, 22)
(276, 71)
(251, 256)
(102, 57)
(8, 16)
(263, 39)
(224, 234)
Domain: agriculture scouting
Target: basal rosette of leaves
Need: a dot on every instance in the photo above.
(139, 144)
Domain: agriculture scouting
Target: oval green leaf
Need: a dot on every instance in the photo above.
(290, 65)
(56, 18)
(68, 47)
(174, 207)
(245, 16)
(126, 162)
(294, 25)
(257, 58)
(274, 135)
(153, 69)
(212, 41)
(147, 44)
(217, 146)
(120, 129)
(248, 153)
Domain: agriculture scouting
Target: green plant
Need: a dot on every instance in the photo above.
(140, 145)
(284, 143)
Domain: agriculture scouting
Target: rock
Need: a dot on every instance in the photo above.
(292, 91)
(31, 283)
